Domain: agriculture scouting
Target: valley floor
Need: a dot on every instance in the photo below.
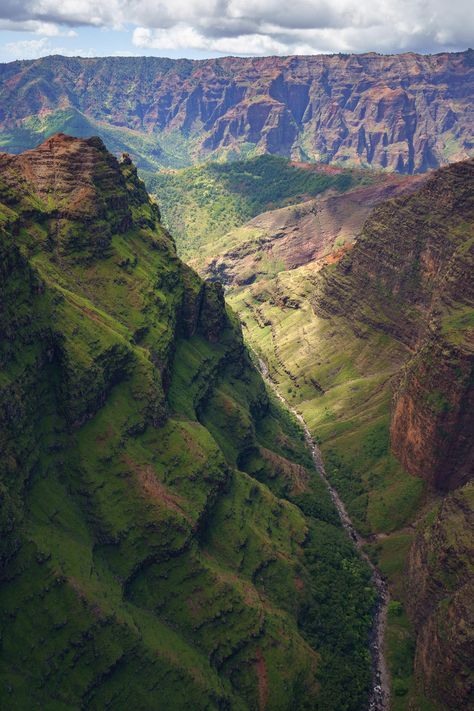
(379, 696)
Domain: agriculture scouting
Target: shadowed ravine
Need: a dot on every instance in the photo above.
(379, 696)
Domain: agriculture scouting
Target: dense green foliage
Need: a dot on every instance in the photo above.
(343, 344)
(339, 582)
(203, 202)
(164, 536)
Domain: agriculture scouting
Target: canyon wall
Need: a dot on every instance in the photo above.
(151, 547)
(374, 343)
(404, 112)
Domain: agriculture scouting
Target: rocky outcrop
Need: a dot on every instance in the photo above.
(313, 231)
(404, 112)
(440, 591)
(79, 182)
(433, 412)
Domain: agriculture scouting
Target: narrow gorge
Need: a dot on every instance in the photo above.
(237, 383)
(379, 695)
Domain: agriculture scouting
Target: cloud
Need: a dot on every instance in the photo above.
(183, 36)
(27, 49)
(260, 26)
(47, 29)
(33, 49)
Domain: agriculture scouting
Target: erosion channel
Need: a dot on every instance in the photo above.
(379, 696)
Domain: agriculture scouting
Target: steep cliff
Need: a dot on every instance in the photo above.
(374, 345)
(404, 112)
(411, 276)
(153, 544)
(440, 594)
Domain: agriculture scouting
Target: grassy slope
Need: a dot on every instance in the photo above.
(202, 203)
(152, 549)
(337, 371)
(350, 420)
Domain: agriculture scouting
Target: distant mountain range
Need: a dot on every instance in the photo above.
(407, 112)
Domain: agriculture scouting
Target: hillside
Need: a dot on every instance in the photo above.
(405, 112)
(372, 342)
(200, 204)
(313, 231)
(164, 535)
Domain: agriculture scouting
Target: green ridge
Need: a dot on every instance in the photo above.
(157, 545)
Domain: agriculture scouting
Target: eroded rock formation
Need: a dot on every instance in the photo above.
(404, 112)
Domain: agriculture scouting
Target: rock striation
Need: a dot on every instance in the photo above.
(311, 232)
(405, 112)
(149, 550)
(440, 591)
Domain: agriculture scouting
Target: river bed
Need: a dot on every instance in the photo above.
(379, 696)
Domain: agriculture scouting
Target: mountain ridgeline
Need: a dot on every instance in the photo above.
(163, 533)
(404, 112)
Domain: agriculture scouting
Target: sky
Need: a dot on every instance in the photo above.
(211, 28)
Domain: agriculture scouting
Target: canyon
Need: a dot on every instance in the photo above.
(406, 113)
(173, 525)
(371, 342)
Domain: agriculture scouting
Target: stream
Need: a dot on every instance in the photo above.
(379, 697)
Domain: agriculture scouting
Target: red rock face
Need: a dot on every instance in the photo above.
(68, 170)
(440, 591)
(433, 414)
(80, 183)
(410, 275)
(404, 112)
(304, 233)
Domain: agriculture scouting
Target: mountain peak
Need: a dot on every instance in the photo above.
(78, 182)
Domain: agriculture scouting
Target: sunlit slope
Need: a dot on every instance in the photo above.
(202, 203)
(374, 345)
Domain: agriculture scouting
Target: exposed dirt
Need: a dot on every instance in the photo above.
(313, 231)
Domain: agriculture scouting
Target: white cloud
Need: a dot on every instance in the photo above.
(33, 49)
(28, 49)
(47, 29)
(261, 26)
(186, 37)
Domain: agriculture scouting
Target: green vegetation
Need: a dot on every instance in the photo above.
(334, 571)
(400, 654)
(336, 342)
(205, 201)
(458, 324)
(164, 535)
